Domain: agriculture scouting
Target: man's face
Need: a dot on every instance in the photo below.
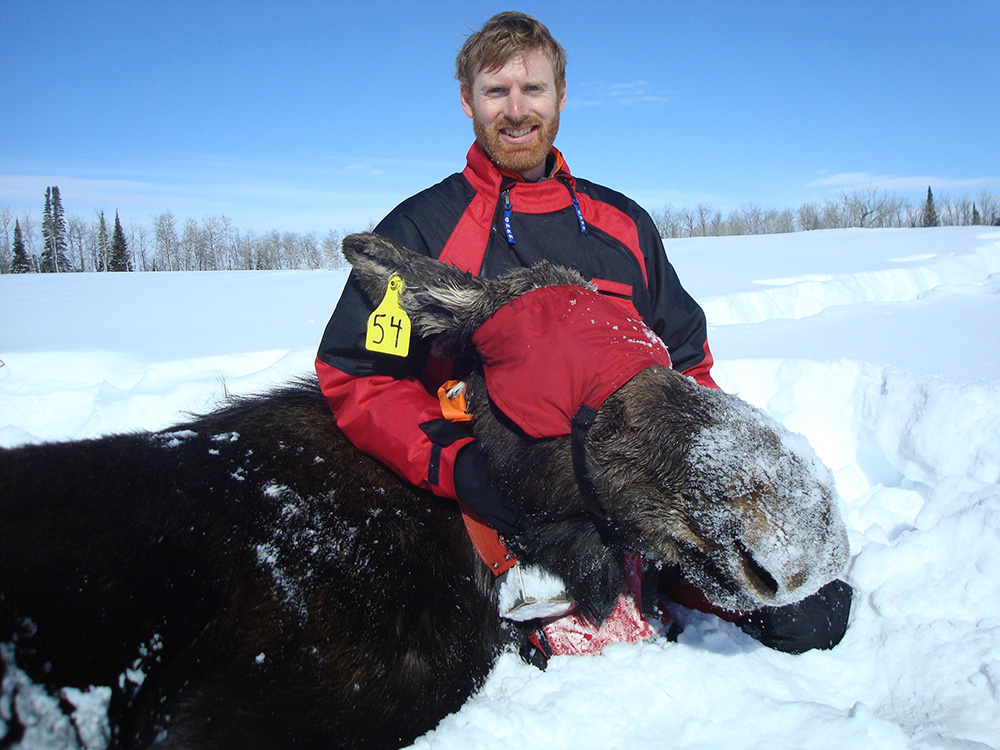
(515, 112)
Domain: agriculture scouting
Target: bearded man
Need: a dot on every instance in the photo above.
(515, 203)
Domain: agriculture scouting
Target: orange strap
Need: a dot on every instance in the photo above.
(487, 543)
(452, 398)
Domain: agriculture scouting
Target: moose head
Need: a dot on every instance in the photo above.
(688, 476)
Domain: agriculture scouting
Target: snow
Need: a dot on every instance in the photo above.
(879, 346)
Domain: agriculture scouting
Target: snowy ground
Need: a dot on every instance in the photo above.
(881, 346)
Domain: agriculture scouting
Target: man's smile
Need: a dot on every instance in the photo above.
(518, 133)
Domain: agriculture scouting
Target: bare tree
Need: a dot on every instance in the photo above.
(309, 251)
(687, 221)
(667, 222)
(331, 249)
(857, 207)
(229, 238)
(749, 219)
(77, 231)
(244, 248)
(290, 256)
(988, 207)
(781, 221)
(705, 219)
(192, 248)
(267, 251)
(140, 243)
(212, 228)
(29, 236)
(810, 217)
(166, 244)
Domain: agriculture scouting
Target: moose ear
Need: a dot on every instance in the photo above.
(375, 259)
(439, 299)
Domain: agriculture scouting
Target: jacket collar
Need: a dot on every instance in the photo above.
(486, 176)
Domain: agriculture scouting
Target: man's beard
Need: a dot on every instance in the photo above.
(517, 158)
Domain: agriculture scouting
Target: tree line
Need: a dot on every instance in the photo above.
(213, 243)
(867, 207)
(63, 244)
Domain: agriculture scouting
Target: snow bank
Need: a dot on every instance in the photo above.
(879, 346)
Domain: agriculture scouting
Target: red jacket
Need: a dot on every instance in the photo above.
(487, 221)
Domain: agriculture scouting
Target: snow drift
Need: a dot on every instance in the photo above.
(879, 346)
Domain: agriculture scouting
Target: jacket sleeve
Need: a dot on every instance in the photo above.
(676, 317)
(379, 401)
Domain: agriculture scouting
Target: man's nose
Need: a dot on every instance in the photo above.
(515, 106)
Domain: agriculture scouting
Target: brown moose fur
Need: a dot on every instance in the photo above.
(278, 588)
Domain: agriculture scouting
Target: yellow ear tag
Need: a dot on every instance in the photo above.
(389, 325)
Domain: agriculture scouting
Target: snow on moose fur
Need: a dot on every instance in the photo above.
(250, 579)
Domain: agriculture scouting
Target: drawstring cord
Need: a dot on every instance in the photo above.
(576, 206)
(508, 212)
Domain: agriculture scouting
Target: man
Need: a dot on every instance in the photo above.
(515, 204)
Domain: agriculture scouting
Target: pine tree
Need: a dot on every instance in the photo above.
(47, 231)
(976, 218)
(20, 262)
(120, 259)
(103, 247)
(54, 258)
(930, 215)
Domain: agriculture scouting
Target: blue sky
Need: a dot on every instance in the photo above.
(309, 116)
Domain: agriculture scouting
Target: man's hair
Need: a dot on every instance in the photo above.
(505, 36)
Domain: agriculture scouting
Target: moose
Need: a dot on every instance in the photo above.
(251, 579)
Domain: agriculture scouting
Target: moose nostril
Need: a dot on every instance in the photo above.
(761, 579)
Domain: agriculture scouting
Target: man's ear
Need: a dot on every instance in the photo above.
(466, 100)
(562, 96)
